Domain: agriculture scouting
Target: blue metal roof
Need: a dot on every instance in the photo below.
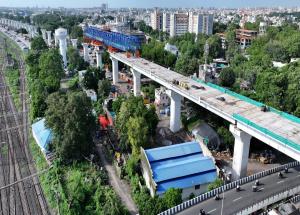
(168, 152)
(180, 166)
(42, 135)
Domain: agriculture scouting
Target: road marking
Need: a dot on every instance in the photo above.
(237, 199)
(279, 182)
(261, 189)
(212, 211)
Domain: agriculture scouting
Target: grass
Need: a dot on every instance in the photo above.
(4, 149)
(12, 77)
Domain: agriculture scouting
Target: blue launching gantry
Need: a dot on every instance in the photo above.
(119, 41)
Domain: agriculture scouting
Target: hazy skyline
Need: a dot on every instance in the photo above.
(148, 3)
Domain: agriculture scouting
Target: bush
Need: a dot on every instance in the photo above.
(217, 183)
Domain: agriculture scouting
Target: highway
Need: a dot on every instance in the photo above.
(278, 130)
(236, 201)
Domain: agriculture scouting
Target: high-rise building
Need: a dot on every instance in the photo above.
(156, 20)
(166, 22)
(179, 23)
(201, 23)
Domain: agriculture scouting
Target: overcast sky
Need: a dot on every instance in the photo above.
(149, 3)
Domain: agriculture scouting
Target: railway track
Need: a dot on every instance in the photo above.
(16, 163)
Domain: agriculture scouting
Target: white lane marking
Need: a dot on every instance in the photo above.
(279, 182)
(261, 189)
(237, 199)
(212, 211)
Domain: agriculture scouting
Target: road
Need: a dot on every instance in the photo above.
(235, 201)
(121, 188)
(16, 163)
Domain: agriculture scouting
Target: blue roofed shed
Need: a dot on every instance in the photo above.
(178, 166)
(42, 135)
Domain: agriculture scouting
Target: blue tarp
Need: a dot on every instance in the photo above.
(180, 166)
(41, 134)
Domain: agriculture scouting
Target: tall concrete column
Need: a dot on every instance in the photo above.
(86, 52)
(136, 82)
(74, 43)
(44, 34)
(49, 38)
(175, 110)
(115, 70)
(241, 152)
(99, 58)
(61, 35)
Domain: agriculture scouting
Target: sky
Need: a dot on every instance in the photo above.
(150, 3)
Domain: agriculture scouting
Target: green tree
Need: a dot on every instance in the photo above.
(217, 183)
(73, 124)
(104, 88)
(137, 133)
(76, 32)
(76, 62)
(51, 70)
(38, 44)
(227, 77)
(226, 136)
(172, 197)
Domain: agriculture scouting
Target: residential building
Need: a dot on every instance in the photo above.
(166, 22)
(262, 28)
(244, 37)
(179, 23)
(162, 100)
(180, 166)
(171, 48)
(156, 20)
(201, 23)
(211, 72)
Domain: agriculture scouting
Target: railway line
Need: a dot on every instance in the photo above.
(16, 163)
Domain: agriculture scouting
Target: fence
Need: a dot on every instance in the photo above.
(203, 197)
(271, 200)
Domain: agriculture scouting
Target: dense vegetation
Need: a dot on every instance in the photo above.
(72, 185)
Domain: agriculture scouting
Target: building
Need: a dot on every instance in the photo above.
(244, 37)
(180, 166)
(166, 22)
(223, 40)
(211, 72)
(156, 20)
(42, 135)
(201, 23)
(162, 100)
(262, 28)
(179, 23)
(171, 48)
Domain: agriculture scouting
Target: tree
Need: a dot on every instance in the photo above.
(76, 62)
(73, 124)
(227, 77)
(38, 44)
(217, 183)
(76, 32)
(51, 70)
(226, 136)
(186, 65)
(104, 88)
(172, 197)
(137, 133)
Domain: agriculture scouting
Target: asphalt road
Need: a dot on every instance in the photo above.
(234, 201)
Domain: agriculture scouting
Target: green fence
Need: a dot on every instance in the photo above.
(250, 101)
(267, 132)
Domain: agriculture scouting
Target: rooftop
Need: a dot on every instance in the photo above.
(41, 134)
(180, 166)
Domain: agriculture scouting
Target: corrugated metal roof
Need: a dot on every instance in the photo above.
(42, 135)
(166, 152)
(180, 166)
